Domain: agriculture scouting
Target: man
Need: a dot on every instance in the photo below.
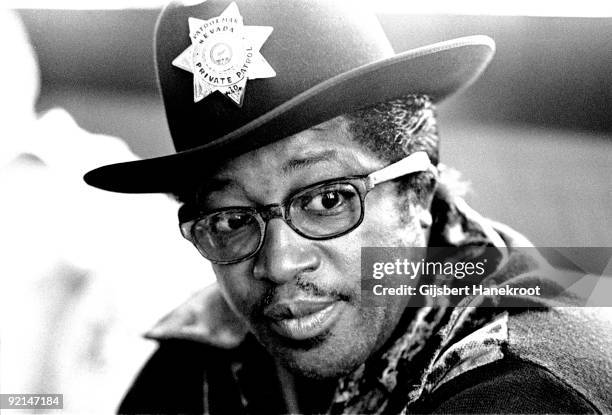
(302, 139)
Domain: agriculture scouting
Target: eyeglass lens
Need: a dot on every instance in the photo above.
(326, 210)
(227, 235)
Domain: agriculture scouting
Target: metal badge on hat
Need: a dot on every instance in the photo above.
(224, 53)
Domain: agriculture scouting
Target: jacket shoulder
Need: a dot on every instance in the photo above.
(173, 379)
(507, 386)
(573, 343)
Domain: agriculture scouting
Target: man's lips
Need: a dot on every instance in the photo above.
(302, 319)
(296, 308)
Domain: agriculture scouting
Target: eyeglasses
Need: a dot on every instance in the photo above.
(321, 211)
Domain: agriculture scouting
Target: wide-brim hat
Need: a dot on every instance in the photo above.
(235, 76)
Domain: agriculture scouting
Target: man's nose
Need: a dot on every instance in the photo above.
(284, 254)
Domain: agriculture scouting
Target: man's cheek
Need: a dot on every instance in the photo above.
(379, 229)
(238, 290)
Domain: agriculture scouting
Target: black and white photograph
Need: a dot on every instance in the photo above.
(305, 207)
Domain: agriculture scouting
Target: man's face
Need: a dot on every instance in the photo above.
(300, 297)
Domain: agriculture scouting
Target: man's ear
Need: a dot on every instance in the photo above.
(424, 209)
(424, 216)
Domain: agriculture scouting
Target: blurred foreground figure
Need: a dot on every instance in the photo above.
(83, 273)
(301, 140)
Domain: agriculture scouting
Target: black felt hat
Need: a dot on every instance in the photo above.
(235, 76)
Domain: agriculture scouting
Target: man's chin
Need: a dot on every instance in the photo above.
(314, 366)
(319, 357)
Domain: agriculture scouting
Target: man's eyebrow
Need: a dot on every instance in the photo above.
(309, 160)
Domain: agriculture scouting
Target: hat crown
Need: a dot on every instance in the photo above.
(312, 41)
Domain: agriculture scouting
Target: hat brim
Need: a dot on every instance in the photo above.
(438, 71)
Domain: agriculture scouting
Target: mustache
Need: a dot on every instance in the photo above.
(302, 285)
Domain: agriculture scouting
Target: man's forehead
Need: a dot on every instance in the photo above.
(325, 142)
(327, 145)
(237, 176)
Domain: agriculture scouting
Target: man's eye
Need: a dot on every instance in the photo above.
(231, 222)
(326, 201)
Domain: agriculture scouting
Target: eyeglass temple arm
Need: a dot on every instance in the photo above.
(416, 162)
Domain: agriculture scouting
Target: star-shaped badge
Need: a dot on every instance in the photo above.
(224, 53)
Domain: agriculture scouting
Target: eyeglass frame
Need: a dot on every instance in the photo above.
(416, 162)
